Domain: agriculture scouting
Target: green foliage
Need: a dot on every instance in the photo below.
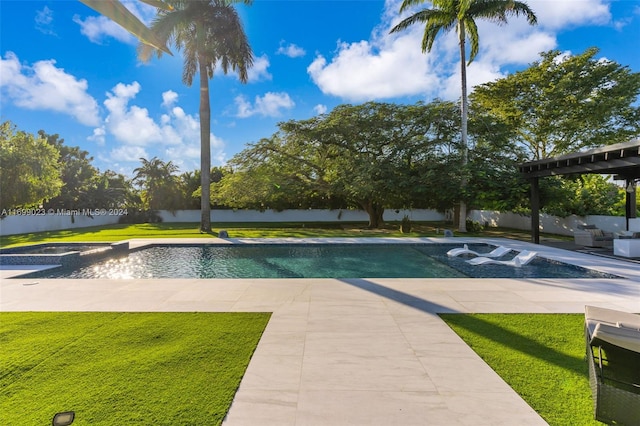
(582, 195)
(140, 216)
(77, 173)
(160, 185)
(473, 226)
(540, 356)
(494, 180)
(29, 171)
(124, 368)
(83, 185)
(370, 156)
(405, 225)
(565, 103)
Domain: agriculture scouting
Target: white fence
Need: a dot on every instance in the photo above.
(340, 215)
(37, 221)
(553, 224)
(45, 221)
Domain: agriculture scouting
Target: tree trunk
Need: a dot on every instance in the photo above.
(205, 150)
(375, 212)
(462, 223)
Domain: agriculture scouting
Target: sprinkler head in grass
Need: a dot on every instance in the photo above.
(63, 419)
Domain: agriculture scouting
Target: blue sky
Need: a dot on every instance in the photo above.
(65, 69)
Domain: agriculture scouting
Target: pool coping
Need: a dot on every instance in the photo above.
(358, 351)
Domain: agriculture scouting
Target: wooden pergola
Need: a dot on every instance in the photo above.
(621, 160)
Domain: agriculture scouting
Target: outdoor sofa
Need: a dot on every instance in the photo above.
(592, 236)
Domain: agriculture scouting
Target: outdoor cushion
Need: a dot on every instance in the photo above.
(594, 315)
(622, 337)
(595, 232)
(587, 226)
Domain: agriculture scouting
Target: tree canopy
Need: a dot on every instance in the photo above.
(565, 103)
(29, 170)
(371, 156)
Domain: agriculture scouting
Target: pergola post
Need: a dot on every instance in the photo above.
(630, 201)
(535, 211)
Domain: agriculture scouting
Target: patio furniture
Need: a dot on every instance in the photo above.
(626, 247)
(523, 258)
(613, 354)
(592, 236)
(497, 252)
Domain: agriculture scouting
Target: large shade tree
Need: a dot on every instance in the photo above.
(211, 35)
(565, 103)
(371, 156)
(445, 15)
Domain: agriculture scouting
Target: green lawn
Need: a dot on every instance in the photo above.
(123, 368)
(540, 356)
(249, 230)
(174, 364)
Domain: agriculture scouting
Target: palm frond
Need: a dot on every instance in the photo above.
(406, 4)
(472, 34)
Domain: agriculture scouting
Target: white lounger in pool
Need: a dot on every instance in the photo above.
(521, 259)
(497, 252)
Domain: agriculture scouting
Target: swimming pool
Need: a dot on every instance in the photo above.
(310, 261)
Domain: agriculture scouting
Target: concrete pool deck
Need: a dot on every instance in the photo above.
(356, 351)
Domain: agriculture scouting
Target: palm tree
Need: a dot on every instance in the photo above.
(159, 182)
(211, 34)
(461, 15)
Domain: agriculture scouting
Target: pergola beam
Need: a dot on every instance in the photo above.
(621, 160)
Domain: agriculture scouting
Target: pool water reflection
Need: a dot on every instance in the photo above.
(311, 261)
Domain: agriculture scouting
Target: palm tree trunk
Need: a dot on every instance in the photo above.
(205, 150)
(462, 222)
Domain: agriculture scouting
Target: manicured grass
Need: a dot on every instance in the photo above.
(123, 368)
(247, 230)
(540, 356)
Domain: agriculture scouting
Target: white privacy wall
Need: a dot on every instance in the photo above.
(248, 216)
(22, 224)
(552, 224)
(14, 224)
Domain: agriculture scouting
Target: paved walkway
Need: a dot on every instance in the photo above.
(356, 351)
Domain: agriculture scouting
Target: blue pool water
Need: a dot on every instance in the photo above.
(311, 261)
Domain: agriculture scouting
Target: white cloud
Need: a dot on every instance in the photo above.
(169, 98)
(130, 124)
(98, 136)
(320, 109)
(366, 70)
(560, 14)
(392, 65)
(97, 28)
(269, 105)
(175, 135)
(291, 50)
(258, 71)
(44, 21)
(128, 154)
(44, 86)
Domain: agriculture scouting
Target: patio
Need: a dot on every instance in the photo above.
(357, 351)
